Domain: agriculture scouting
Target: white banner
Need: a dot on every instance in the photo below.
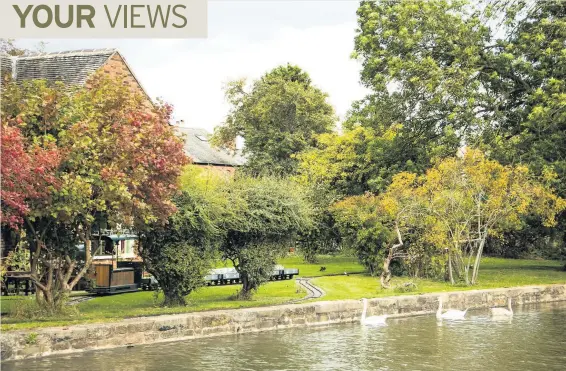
(49, 19)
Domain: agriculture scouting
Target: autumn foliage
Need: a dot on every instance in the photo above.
(28, 175)
(454, 208)
(79, 159)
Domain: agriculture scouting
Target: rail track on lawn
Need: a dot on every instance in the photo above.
(313, 292)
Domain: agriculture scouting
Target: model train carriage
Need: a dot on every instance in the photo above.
(114, 269)
(228, 276)
(109, 280)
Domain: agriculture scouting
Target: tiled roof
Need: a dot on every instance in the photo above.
(5, 67)
(72, 68)
(201, 152)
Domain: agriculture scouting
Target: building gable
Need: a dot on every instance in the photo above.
(72, 67)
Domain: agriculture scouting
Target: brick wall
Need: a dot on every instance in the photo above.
(116, 67)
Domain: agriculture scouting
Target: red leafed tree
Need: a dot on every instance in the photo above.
(28, 175)
(120, 166)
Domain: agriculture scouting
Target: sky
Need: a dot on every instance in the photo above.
(245, 40)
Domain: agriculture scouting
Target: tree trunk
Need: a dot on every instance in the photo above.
(392, 253)
(247, 288)
(309, 255)
(88, 252)
(450, 273)
(54, 284)
(173, 299)
(51, 299)
(372, 269)
(478, 259)
(386, 273)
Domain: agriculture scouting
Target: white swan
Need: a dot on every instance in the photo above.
(374, 320)
(449, 314)
(502, 312)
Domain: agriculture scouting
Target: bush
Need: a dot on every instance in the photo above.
(180, 253)
(263, 217)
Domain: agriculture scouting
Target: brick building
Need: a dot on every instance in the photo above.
(73, 68)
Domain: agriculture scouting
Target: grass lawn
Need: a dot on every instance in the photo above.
(334, 265)
(143, 303)
(494, 273)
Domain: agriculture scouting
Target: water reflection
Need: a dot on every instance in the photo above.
(534, 339)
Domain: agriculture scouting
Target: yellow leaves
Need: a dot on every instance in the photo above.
(458, 196)
(392, 132)
(548, 175)
(402, 181)
(334, 158)
(389, 205)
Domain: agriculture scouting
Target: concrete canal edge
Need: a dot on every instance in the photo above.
(149, 330)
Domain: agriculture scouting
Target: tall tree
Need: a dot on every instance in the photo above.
(490, 74)
(278, 117)
(120, 164)
(468, 199)
(528, 72)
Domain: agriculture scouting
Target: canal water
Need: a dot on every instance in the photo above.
(534, 339)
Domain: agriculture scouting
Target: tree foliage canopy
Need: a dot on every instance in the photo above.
(118, 163)
(263, 217)
(180, 253)
(28, 176)
(278, 117)
(463, 201)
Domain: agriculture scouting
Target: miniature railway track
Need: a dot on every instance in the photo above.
(313, 292)
(79, 299)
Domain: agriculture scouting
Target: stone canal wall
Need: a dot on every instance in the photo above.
(146, 330)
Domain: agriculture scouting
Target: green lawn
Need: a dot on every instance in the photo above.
(493, 273)
(143, 303)
(333, 264)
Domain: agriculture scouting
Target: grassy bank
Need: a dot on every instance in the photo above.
(145, 303)
(493, 273)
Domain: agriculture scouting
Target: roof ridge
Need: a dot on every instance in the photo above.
(191, 127)
(69, 53)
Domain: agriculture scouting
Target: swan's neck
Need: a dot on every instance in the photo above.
(509, 306)
(439, 311)
(365, 310)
